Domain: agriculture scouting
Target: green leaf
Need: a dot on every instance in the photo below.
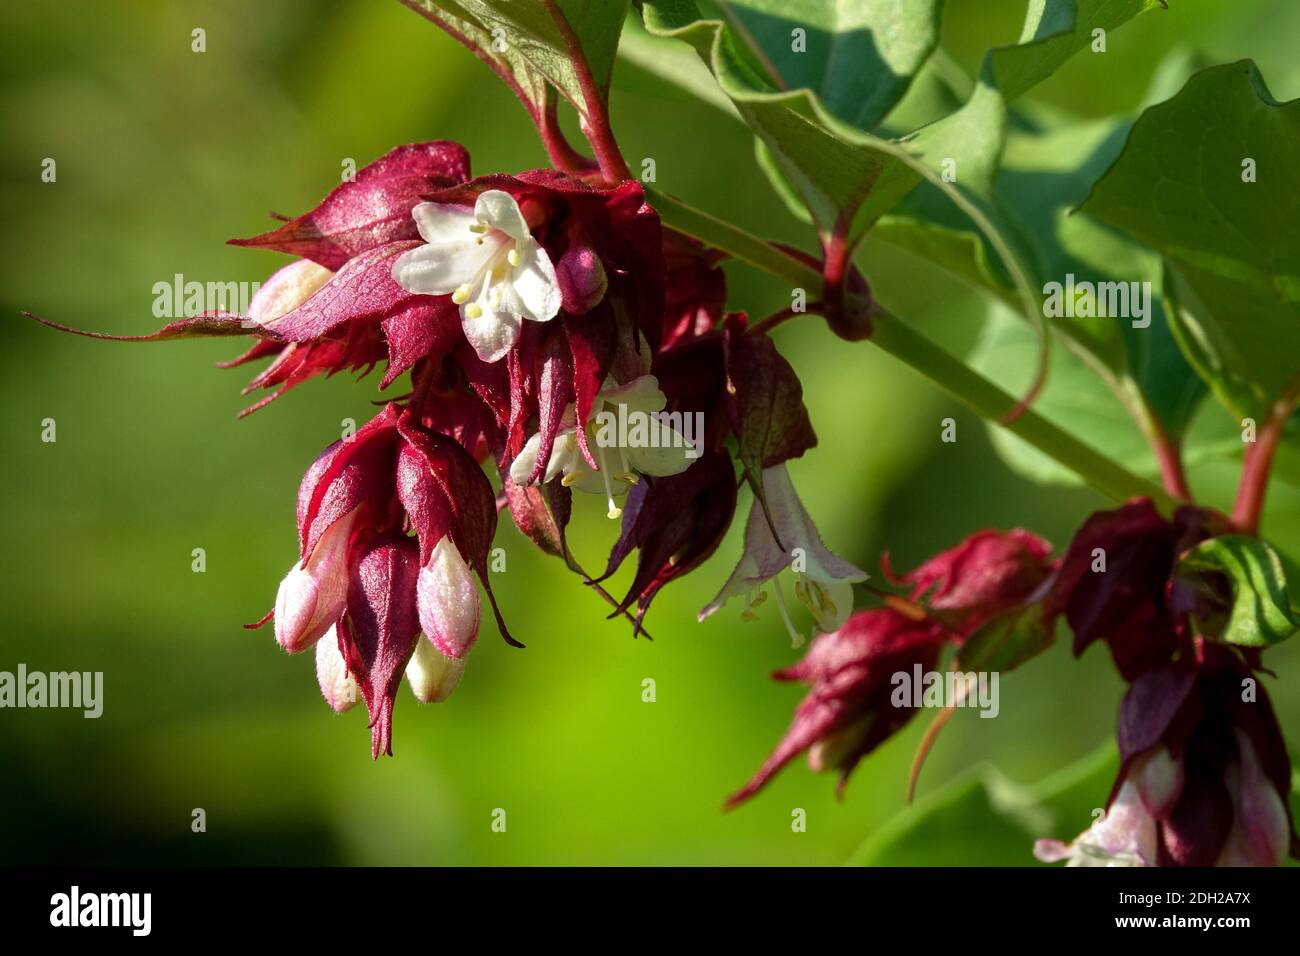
(857, 56)
(984, 819)
(1075, 399)
(531, 39)
(1006, 642)
(836, 168)
(1261, 613)
(1179, 186)
(845, 176)
(1046, 172)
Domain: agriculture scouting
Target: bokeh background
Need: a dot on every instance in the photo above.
(163, 154)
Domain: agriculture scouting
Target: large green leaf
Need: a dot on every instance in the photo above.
(835, 167)
(1180, 187)
(530, 39)
(857, 56)
(984, 819)
(1261, 613)
(845, 175)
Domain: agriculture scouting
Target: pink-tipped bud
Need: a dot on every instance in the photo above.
(313, 593)
(431, 674)
(287, 289)
(582, 279)
(447, 598)
(337, 686)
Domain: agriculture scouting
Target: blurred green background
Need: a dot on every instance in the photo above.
(162, 155)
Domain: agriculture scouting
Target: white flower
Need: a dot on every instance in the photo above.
(626, 435)
(823, 580)
(488, 262)
(1125, 835)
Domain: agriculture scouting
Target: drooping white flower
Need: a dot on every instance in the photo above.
(1125, 835)
(627, 436)
(487, 260)
(823, 580)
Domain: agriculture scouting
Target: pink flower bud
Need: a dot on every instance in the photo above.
(431, 674)
(313, 593)
(287, 289)
(448, 601)
(337, 686)
(582, 279)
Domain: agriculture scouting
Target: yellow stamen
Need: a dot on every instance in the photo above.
(614, 510)
(572, 478)
(474, 310)
(461, 295)
(512, 257)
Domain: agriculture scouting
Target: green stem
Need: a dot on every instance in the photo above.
(906, 344)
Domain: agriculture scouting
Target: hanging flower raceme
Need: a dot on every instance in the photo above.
(1204, 775)
(853, 705)
(369, 593)
(850, 708)
(983, 577)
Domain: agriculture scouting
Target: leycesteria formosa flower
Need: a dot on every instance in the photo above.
(988, 574)
(823, 581)
(848, 711)
(627, 437)
(852, 705)
(365, 593)
(487, 260)
(1204, 773)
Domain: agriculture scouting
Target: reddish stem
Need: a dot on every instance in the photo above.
(1258, 464)
(835, 271)
(595, 114)
(1169, 454)
(764, 326)
(563, 156)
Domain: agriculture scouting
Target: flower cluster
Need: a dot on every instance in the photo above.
(850, 708)
(557, 334)
(1204, 775)
(530, 312)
